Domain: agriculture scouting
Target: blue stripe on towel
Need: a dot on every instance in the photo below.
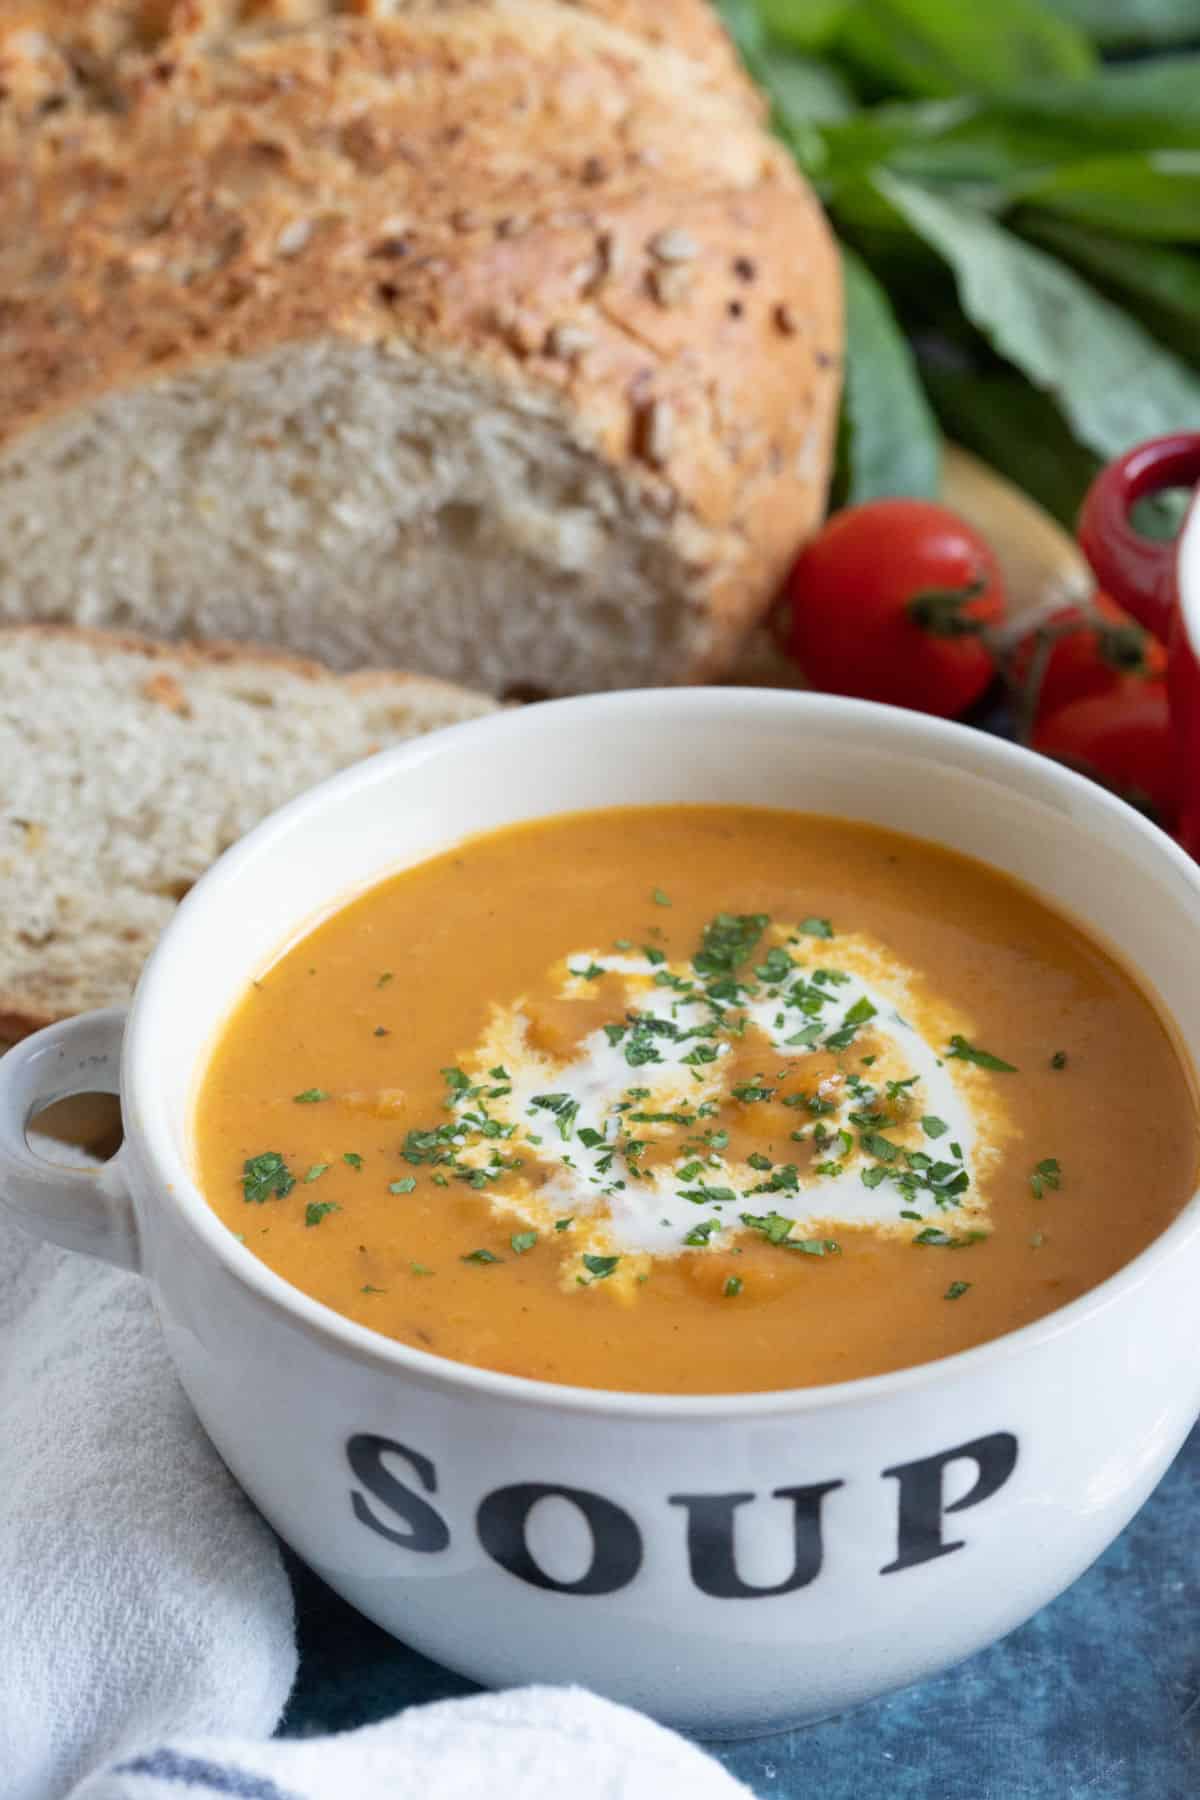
(193, 1771)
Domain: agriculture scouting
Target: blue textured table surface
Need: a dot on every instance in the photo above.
(1098, 1696)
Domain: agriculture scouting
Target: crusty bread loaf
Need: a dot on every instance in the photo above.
(128, 767)
(486, 337)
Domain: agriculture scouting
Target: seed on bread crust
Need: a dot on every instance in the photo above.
(673, 246)
(671, 285)
(569, 341)
(655, 432)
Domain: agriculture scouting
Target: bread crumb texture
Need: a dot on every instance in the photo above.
(129, 767)
(492, 338)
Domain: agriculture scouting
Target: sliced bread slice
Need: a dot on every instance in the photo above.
(128, 767)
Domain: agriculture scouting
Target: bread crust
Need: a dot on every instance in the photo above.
(589, 218)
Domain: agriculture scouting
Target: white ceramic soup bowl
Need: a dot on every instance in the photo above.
(729, 1564)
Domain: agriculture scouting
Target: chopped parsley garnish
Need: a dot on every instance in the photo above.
(935, 1239)
(590, 1139)
(499, 1073)
(727, 941)
(881, 1148)
(598, 1267)
(316, 1210)
(564, 1108)
(956, 1290)
(733, 1287)
(384, 978)
(898, 1090)
(640, 1047)
(700, 1234)
(813, 1246)
(310, 1096)
(1059, 1060)
(653, 957)
(265, 1177)
(750, 1091)
(757, 1160)
(1047, 1174)
(315, 1172)
(983, 1059)
(564, 1224)
(420, 1269)
(593, 972)
(522, 1241)
(773, 1225)
(405, 1186)
(933, 1127)
(659, 898)
(436, 1146)
(703, 1053)
(481, 1256)
(689, 1171)
(457, 1082)
(818, 928)
(872, 1177)
(775, 967)
(353, 1158)
(782, 1180)
(707, 1196)
(368, 1289)
(807, 1038)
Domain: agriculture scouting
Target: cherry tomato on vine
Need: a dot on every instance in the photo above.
(1122, 738)
(889, 603)
(1079, 650)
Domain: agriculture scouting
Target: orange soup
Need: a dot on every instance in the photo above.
(696, 1100)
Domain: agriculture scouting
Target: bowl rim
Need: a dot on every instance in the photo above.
(149, 1141)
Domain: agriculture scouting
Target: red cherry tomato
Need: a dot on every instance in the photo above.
(888, 603)
(1081, 650)
(1121, 738)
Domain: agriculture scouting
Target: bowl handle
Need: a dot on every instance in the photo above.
(1137, 571)
(85, 1209)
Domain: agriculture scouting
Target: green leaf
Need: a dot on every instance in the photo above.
(1114, 383)
(1166, 282)
(805, 92)
(1143, 194)
(1124, 23)
(803, 24)
(1130, 106)
(888, 440)
(935, 47)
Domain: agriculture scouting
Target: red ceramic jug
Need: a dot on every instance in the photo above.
(1159, 583)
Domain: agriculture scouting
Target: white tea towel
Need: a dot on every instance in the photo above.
(140, 1594)
(534, 1743)
(146, 1633)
